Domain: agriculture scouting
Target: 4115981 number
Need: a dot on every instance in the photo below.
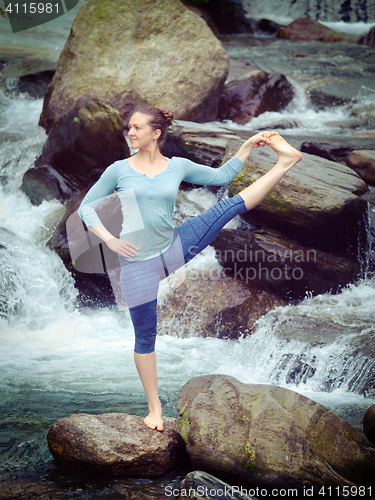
(345, 491)
(32, 8)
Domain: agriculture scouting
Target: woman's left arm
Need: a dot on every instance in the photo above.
(201, 174)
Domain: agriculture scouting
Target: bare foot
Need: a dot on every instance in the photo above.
(154, 420)
(286, 153)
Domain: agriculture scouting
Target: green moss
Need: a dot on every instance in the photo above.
(183, 426)
(250, 467)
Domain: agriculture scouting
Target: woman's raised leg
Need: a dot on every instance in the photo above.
(288, 157)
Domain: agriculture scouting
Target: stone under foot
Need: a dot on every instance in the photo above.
(285, 151)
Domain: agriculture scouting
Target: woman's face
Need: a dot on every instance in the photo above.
(140, 132)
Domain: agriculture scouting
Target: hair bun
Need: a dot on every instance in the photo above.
(168, 115)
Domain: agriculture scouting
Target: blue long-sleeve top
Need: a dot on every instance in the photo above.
(148, 203)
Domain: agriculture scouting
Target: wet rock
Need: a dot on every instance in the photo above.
(308, 29)
(116, 444)
(369, 424)
(35, 85)
(227, 307)
(80, 146)
(316, 204)
(289, 269)
(197, 142)
(45, 183)
(253, 94)
(363, 162)
(368, 39)
(199, 485)
(121, 52)
(336, 149)
(269, 436)
(339, 91)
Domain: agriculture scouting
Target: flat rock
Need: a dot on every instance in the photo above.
(265, 435)
(316, 204)
(116, 444)
(121, 52)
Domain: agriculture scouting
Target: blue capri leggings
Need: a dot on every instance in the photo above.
(140, 279)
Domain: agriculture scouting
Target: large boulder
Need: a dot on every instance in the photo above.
(264, 435)
(80, 146)
(116, 444)
(254, 93)
(227, 307)
(316, 204)
(308, 29)
(289, 269)
(121, 51)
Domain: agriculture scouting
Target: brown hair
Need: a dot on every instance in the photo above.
(157, 119)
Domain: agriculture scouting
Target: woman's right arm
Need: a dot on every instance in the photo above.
(96, 194)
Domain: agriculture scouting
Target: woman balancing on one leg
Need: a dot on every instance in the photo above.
(149, 246)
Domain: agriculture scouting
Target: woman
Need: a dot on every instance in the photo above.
(149, 246)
